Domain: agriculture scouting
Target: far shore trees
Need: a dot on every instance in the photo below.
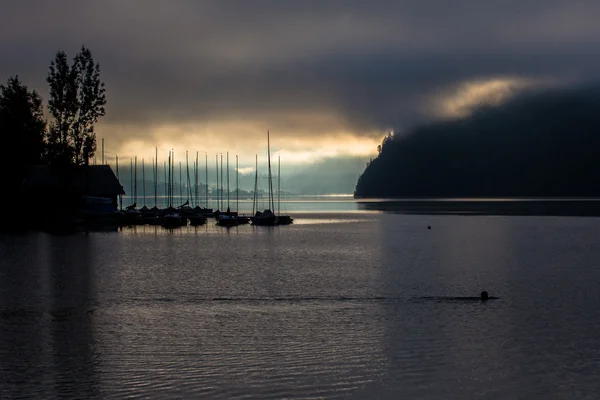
(77, 99)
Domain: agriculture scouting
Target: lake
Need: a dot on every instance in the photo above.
(344, 303)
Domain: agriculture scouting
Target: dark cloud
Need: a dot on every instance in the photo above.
(373, 64)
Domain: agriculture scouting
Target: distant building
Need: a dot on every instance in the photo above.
(65, 187)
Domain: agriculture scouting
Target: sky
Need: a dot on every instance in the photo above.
(328, 79)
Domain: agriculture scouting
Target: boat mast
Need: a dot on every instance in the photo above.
(197, 170)
(156, 179)
(135, 184)
(143, 182)
(131, 179)
(206, 176)
(192, 187)
(228, 181)
(180, 184)
(166, 185)
(237, 186)
(187, 170)
(217, 188)
(255, 200)
(278, 185)
(222, 189)
(119, 179)
(271, 200)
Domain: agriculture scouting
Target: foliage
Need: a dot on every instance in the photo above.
(22, 124)
(77, 99)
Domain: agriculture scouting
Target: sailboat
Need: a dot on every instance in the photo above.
(155, 217)
(144, 209)
(241, 220)
(131, 215)
(196, 217)
(185, 211)
(228, 218)
(171, 218)
(267, 217)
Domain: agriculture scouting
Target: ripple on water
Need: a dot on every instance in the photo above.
(319, 310)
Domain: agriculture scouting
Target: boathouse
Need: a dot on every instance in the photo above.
(65, 187)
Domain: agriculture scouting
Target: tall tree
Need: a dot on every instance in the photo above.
(22, 126)
(77, 99)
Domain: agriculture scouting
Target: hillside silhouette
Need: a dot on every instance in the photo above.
(539, 144)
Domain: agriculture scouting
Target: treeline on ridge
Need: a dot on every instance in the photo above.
(539, 144)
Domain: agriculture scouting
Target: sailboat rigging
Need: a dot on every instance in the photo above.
(267, 217)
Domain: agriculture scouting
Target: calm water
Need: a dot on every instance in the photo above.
(339, 305)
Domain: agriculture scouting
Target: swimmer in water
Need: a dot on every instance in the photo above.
(484, 296)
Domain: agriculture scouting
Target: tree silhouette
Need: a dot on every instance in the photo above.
(22, 125)
(77, 99)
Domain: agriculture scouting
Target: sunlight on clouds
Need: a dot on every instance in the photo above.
(462, 100)
(340, 145)
(243, 138)
(246, 170)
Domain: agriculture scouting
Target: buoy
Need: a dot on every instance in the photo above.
(428, 226)
(484, 295)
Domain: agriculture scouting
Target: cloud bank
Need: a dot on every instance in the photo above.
(327, 78)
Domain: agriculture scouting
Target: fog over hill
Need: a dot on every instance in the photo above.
(539, 143)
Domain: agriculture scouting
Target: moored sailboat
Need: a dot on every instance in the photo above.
(268, 217)
(227, 218)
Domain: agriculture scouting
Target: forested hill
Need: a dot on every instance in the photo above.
(542, 144)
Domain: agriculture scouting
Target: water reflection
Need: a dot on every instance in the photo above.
(46, 335)
(350, 310)
(484, 206)
(490, 349)
(142, 312)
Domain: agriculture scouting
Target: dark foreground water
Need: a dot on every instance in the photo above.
(342, 305)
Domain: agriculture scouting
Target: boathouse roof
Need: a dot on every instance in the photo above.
(91, 180)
